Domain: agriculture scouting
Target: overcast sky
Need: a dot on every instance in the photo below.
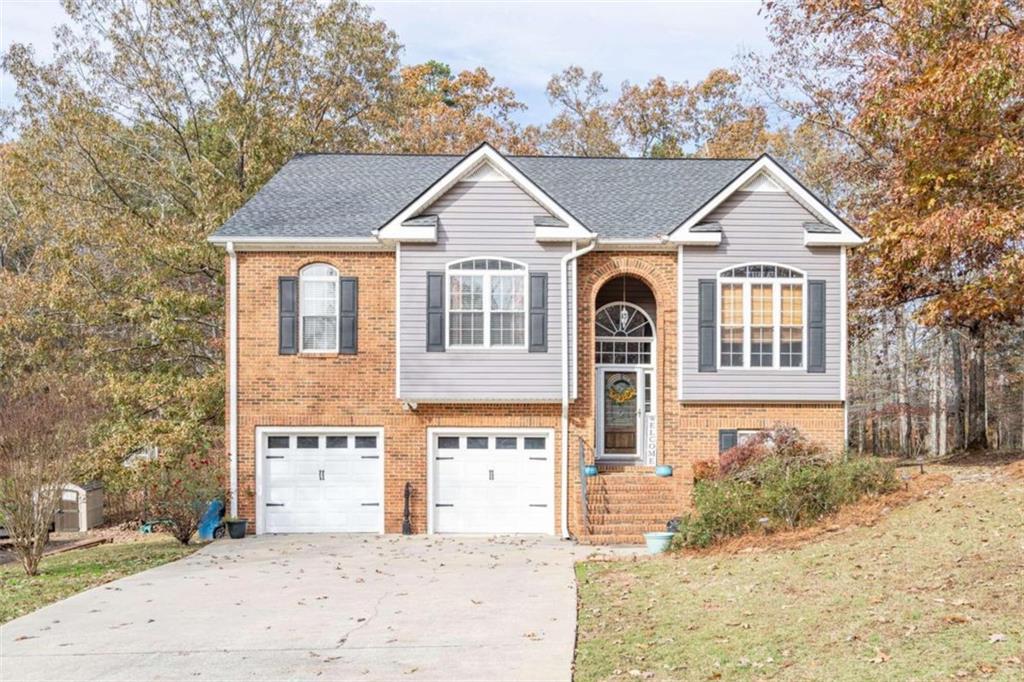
(520, 43)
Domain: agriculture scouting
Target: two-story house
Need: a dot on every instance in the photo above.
(455, 337)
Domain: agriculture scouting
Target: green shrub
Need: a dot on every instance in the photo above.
(779, 491)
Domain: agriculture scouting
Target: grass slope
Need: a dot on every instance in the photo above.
(62, 575)
(934, 591)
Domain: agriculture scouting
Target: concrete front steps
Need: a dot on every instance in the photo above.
(623, 503)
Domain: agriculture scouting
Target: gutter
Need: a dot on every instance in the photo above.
(564, 317)
(233, 376)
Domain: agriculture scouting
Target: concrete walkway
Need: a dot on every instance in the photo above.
(317, 607)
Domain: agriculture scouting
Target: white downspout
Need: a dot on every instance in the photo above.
(564, 318)
(233, 376)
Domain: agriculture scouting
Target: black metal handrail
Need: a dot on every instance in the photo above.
(584, 514)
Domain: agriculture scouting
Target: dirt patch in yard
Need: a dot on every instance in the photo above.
(1015, 470)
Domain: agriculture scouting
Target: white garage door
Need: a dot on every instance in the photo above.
(492, 482)
(330, 481)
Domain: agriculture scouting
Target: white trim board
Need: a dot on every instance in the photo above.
(769, 168)
(465, 168)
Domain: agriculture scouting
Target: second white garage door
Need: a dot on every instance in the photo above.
(492, 482)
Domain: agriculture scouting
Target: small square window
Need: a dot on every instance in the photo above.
(534, 443)
(337, 441)
(366, 441)
(448, 442)
(477, 442)
(307, 442)
(504, 443)
(278, 441)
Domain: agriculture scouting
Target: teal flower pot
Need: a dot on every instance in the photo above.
(658, 541)
(590, 470)
(663, 470)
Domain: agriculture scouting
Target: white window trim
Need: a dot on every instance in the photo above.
(776, 283)
(337, 308)
(523, 272)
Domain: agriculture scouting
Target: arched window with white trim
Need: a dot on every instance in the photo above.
(623, 335)
(318, 305)
(486, 303)
(761, 320)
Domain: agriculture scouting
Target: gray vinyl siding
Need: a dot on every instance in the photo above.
(479, 219)
(761, 227)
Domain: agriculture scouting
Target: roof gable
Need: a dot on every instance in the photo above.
(482, 164)
(765, 175)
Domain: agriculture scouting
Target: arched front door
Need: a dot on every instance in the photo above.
(624, 366)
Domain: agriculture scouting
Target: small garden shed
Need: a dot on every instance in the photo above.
(81, 508)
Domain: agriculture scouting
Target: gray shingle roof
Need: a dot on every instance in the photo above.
(713, 226)
(349, 195)
(820, 228)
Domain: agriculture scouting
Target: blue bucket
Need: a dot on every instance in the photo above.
(658, 541)
(590, 470)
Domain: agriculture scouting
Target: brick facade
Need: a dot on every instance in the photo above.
(359, 390)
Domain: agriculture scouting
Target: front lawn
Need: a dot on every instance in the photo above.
(933, 591)
(62, 575)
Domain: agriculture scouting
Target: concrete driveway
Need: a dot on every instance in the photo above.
(328, 607)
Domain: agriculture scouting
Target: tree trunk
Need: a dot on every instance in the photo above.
(902, 398)
(943, 405)
(977, 436)
(932, 441)
(958, 403)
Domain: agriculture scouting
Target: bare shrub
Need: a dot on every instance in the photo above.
(43, 427)
(179, 489)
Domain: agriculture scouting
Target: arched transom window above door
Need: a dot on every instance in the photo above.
(623, 335)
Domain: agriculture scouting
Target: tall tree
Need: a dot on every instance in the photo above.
(152, 124)
(929, 94)
(583, 125)
(438, 112)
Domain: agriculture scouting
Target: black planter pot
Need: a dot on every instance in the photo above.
(236, 529)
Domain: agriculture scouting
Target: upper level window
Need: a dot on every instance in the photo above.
(761, 316)
(318, 303)
(487, 303)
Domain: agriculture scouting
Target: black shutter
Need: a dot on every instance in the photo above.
(435, 312)
(726, 439)
(538, 312)
(816, 326)
(348, 324)
(706, 315)
(287, 315)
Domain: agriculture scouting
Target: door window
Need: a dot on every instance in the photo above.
(620, 413)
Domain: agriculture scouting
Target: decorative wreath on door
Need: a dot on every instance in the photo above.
(621, 391)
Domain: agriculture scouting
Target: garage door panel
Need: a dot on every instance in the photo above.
(321, 482)
(506, 487)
